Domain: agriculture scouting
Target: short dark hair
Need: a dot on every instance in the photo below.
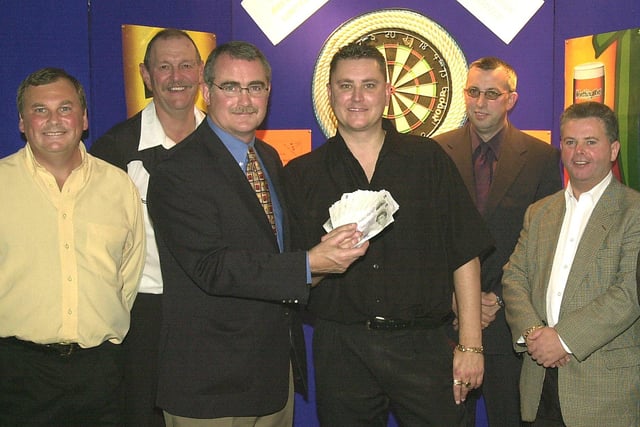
(489, 63)
(168, 33)
(586, 110)
(358, 51)
(45, 76)
(238, 50)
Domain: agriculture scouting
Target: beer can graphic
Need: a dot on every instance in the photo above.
(588, 82)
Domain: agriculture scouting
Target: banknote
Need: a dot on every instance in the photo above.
(371, 210)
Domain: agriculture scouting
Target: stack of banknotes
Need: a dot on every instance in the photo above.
(371, 210)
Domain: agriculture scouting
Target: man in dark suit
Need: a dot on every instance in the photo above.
(521, 169)
(172, 72)
(230, 334)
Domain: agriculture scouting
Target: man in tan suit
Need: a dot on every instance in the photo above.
(570, 287)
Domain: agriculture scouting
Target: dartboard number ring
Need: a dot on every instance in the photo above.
(427, 74)
(420, 81)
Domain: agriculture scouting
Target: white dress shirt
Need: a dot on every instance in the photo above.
(576, 217)
(151, 135)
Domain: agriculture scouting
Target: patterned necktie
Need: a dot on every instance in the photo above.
(256, 178)
(483, 172)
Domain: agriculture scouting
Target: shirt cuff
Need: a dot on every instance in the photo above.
(564, 345)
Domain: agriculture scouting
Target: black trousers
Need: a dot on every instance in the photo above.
(43, 388)
(141, 363)
(362, 375)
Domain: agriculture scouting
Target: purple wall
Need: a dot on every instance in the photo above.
(294, 58)
(84, 37)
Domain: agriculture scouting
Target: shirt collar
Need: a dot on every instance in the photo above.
(151, 132)
(495, 143)
(36, 169)
(236, 147)
(595, 193)
(33, 165)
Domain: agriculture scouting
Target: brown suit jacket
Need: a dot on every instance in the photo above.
(527, 170)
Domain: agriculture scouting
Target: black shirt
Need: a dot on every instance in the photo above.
(407, 271)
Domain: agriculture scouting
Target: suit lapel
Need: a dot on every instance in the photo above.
(594, 234)
(550, 225)
(227, 166)
(461, 156)
(513, 156)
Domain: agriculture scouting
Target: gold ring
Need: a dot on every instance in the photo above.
(461, 383)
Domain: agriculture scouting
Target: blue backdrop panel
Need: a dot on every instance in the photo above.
(36, 34)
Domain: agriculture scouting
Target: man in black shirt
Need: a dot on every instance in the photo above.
(380, 340)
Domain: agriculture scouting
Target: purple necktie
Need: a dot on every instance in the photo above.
(483, 172)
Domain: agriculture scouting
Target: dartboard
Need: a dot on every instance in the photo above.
(427, 73)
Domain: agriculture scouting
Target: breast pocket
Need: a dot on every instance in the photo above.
(104, 246)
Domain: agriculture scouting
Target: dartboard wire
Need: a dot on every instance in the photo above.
(357, 28)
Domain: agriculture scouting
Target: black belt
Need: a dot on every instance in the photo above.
(385, 323)
(59, 349)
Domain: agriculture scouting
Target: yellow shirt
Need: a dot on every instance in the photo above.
(70, 259)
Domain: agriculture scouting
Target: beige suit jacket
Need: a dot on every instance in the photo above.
(599, 312)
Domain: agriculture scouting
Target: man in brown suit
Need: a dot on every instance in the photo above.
(523, 170)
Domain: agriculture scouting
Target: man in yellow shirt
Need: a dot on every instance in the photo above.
(71, 256)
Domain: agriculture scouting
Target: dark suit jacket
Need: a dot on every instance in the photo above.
(225, 342)
(527, 170)
(120, 144)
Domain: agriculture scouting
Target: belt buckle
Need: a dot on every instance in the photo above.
(371, 323)
(388, 324)
(63, 349)
(380, 322)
